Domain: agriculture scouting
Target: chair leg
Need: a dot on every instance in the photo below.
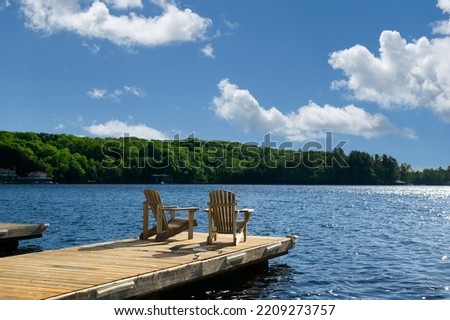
(212, 236)
(191, 224)
(237, 238)
(145, 234)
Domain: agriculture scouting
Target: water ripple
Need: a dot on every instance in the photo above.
(355, 242)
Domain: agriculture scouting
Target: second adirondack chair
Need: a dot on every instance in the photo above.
(223, 216)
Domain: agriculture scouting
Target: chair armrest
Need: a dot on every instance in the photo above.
(247, 212)
(173, 209)
(170, 207)
(186, 208)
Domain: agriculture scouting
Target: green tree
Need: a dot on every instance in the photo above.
(361, 169)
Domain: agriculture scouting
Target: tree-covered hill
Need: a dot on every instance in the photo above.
(72, 159)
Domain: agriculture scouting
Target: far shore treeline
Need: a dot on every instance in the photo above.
(72, 159)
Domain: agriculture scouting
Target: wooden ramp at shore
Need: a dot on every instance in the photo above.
(11, 233)
(129, 268)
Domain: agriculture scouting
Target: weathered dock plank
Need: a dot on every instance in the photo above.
(128, 268)
(11, 233)
(19, 231)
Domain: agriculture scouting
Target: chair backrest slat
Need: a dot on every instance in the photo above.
(222, 207)
(155, 203)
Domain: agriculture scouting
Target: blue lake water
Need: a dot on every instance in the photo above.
(376, 242)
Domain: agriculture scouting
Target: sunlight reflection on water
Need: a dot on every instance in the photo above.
(355, 242)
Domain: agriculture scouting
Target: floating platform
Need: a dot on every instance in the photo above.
(130, 268)
(11, 233)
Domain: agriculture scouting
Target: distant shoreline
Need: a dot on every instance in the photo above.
(66, 159)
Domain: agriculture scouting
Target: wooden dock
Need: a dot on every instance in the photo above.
(129, 268)
(11, 233)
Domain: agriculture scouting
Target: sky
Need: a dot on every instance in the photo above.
(374, 74)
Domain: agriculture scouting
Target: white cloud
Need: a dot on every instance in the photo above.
(93, 48)
(116, 128)
(238, 106)
(96, 93)
(405, 74)
(124, 4)
(116, 94)
(96, 21)
(60, 126)
(208, 51)
(134, 91)
(4, 4)
(231, 25)
(443, 27)
(444, 5)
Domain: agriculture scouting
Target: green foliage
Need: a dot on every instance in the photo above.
(71, 159)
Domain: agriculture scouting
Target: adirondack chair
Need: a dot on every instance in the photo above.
(223, 216)
(164, 228)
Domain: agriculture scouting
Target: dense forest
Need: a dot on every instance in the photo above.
(72, 159)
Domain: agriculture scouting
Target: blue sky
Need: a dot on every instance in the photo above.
(374, 73)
